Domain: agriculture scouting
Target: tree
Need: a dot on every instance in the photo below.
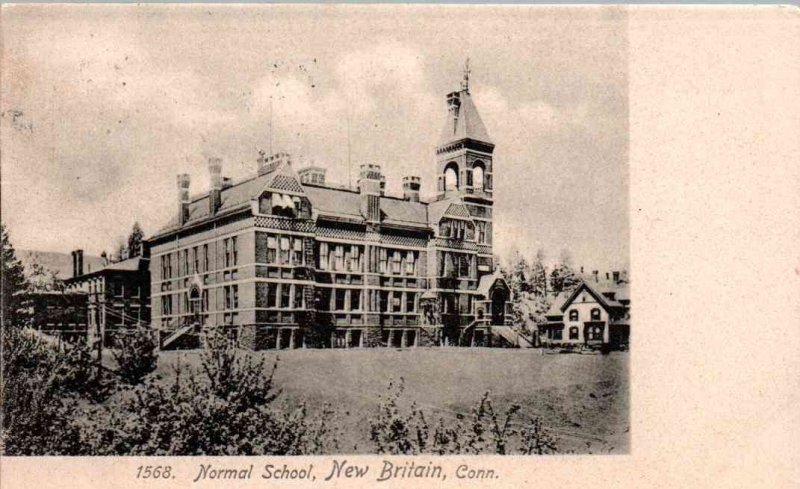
(42, 279)
(135, 240)
(538, 275)
(563, 278)
(14, 283)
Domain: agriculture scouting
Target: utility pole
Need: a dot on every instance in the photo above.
(101, 336)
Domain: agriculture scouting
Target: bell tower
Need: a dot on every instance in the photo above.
(464, 154)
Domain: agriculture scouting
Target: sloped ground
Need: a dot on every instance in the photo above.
(583, 398)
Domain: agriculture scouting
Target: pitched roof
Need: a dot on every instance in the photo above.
(565, 298)
(468, 124)
(134, 264)
(486, 282)
(60, 263)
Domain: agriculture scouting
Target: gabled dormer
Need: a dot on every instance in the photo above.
(282, 194)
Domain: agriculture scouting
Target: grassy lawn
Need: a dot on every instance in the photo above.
(583, 398)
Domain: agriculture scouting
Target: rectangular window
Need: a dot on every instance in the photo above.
(383, 260)
(298, 296)
(410, 302)
(204, 300)
(234, 251)
(284, 250)
(227, 292)
(339, 258)
(205, 257)
(195, 260)
(323, 256)
(272, 295)
(163, 268)
(355, 300)
(272, 249)
(340, 302)
(557, 334)
(235, 299)
(297, 251)
(286, 295)
(354, 259)
(226, 244)
(573, 333)
(169, 265)
(396, 301)
(185, 262)
(396, 262)
(384, 301)
(410, 262)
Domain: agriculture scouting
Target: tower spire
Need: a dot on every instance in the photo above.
(465, 82)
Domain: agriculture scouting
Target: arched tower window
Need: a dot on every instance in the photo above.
(451, 176)
(478, 176)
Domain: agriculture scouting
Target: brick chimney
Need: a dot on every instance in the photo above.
(411, 186)
(215, 179)
(370, 186)
(77, 263)
(183, 198)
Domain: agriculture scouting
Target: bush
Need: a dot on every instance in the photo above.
(227, 408)
(37, 416)
(398, 432)
(136, 354)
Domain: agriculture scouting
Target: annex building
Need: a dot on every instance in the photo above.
(284, 260)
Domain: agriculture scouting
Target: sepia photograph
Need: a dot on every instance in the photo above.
(315, 230)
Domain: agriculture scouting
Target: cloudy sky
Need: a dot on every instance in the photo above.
(102, 107)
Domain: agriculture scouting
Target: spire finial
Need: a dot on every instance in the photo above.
(465, 82)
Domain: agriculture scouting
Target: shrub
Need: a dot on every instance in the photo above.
(36, 415)
(404, 432)
(227, 408)
(136, 354)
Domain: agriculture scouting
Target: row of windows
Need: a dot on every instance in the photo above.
(457, 265)
(592, 333)
(456, 229)
(199, 303)
(284, 250)
(360, 300)
(196, 259)
(286, 296)
(574, 315)
(350, 258)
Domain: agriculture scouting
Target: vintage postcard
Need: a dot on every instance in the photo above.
(296, 246)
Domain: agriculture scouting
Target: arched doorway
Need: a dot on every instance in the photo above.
(499, 299)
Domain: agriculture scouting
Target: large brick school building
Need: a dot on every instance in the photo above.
(284, 260)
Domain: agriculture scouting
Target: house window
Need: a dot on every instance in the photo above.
(355, 300)
(235, 301)
(323, 256)
(339, 263)
(298, 296)
(205, 257)
(286, 296)
(383, 260)
(410, 302)
(340, 299)
(396, 257)
(595, 314)
(297, 251)
(272, 249)
(226, 244)
(195, 260)
(463, 266)
(573, 315)
(410, 262)
(594, 333)
(396, 301)
(284, 250)
(557, 334)
(272, 295)
(354, 259)
(573, 333)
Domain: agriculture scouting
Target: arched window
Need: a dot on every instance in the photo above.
(595, 314)
(477, 176)
(451, 176)
(573, 315)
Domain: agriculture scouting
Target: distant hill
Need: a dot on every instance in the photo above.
(60, 263)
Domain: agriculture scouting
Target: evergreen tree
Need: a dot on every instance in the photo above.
(563, 278)
(135, 240)
(14, 283)
(538, 275)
